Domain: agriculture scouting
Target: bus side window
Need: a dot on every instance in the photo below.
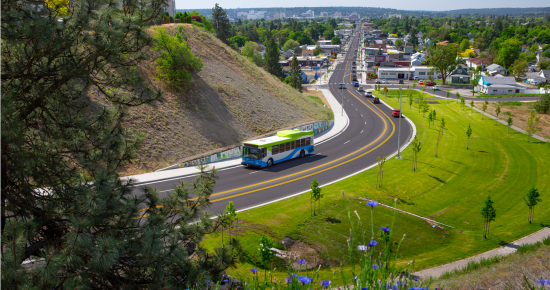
(303, 141)
(282, 147)
(291, 145)
(275, 149)
(287, 146)
(308, 141)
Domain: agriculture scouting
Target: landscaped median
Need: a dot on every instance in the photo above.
(450, 189)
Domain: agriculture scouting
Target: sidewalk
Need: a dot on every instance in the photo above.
(340, 125)
(506, 250)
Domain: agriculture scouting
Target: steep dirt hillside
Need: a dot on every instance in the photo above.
(230, 100)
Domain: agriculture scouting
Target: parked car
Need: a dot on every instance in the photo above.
(375, 100)
(341, 86)
(353, 71)
(430, 84)
(360, 89)
(421, 83)
(377, 81)
(400, 81)
(436, 88)
(395, 113)
(368, 94)
(356, 84)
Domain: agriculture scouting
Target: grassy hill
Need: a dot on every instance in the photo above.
(229, 101)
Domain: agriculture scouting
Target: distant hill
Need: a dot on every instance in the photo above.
(380, 12)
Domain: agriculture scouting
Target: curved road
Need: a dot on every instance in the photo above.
(371, 133)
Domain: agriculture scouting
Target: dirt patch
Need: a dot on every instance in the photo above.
(231, 100)
(301, 250)
(519, 115)
(440, 212)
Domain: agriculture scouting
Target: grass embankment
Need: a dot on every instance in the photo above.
(502, 272)
(519, 111)
(506, 96)
(450, 189)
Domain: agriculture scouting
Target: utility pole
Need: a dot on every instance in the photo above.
(399, 130)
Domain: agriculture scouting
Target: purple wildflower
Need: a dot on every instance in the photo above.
(373, 243)
(254, 270)
(385, 230)
(325, 283)
(372, 204)
(301, 261)
(374, 266)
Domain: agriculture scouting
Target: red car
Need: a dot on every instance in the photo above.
(421, 83)
(395, 113)
(430, 84)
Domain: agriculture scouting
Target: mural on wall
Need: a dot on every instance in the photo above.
(317, 127)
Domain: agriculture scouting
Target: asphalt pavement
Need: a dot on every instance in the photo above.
(371, 132)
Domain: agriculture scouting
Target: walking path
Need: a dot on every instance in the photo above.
(506, 250)
(341, 122)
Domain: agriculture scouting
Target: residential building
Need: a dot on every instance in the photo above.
(459, 75)
(395, 15)
(499, 85)
(408, 49)
(545, 73)
(495, 69)
(475, 62)
(307, 52)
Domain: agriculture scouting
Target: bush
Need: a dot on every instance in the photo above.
(542, 105)
(176, 61)
(196, 18)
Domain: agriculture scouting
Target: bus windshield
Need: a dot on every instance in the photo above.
(254, 153)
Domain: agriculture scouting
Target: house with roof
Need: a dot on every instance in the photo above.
(545, 73)
(495, 69)
(459, 75)
(407, 49)
(307, 52)
(500, 85)
(473, 63)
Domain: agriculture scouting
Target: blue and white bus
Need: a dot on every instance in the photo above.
(284, 146)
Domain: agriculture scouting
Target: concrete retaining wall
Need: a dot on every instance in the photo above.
(316, 127)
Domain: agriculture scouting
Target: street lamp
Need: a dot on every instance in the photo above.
(399, 130)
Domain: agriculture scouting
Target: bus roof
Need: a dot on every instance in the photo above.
(282, 136)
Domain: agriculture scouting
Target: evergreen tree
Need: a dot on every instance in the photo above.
(220, 23)
(66, 89)
(271, 57)
(295, 74)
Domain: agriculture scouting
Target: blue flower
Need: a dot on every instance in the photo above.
(361, 248)
(305, 280)
(207, 281)
(288, 280)
(372, 204)
(225, 281)
(254, 270)
(325, 283)
(301, 261)
(385, 229)
(364, 288)
(373, 243)
(374, 266)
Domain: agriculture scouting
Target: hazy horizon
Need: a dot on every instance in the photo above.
(428, 5)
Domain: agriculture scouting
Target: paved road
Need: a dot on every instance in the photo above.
(371, 133)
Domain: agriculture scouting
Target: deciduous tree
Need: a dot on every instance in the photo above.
(484, 108)
(532, 199)
(443, 59)
(416, 146)
(497, 111)
(489, 214)
(509, 121)
(469, 134)
(519, 68)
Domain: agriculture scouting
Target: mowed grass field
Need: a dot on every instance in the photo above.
(450, 189)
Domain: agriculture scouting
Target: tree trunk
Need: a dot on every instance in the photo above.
(3, 193)
(508, 129)
(436, 145)
(468, 145)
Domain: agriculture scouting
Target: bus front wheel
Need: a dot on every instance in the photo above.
(302, 153)
(269, 162)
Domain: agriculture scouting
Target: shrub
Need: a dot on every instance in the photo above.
(176, 61)
(542, 105)
(196, 18)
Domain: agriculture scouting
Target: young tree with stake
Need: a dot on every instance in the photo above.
(469, 134)
(425, 108)
(315, 193)
(434, 114)
(509, 121)
(532, 125)
(532, 199)
(416, 148)
(497, 111)
(463, 102)
(379, 177)
(489, 214)
(266, 254)
(230, 214)
(484, 108)
(443, 125)
(457, 97)
(410, 101)
(439, 135)
(430, 117)
(472, 105)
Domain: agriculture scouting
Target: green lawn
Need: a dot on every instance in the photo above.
(507, 96)
(449, 189)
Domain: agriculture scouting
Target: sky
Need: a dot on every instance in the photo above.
(433, 5)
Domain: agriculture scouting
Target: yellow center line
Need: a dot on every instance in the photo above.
(311, 174)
